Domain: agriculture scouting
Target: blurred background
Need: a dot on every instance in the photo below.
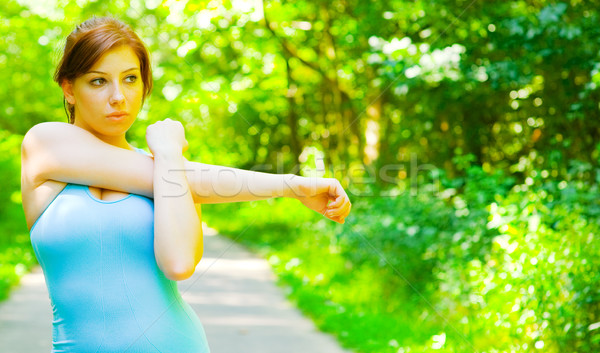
(466, 133)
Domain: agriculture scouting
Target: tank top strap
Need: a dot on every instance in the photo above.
(143, 152)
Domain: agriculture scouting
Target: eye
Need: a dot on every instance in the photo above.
(131, 78)
(97, 81)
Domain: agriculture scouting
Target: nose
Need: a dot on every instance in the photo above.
(117, 95)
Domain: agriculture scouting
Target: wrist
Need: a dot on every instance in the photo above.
(168, 154)
(292, 185)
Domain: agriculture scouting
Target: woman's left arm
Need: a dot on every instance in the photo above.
(177, 224)
(218, 184)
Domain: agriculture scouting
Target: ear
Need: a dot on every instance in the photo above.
(67, 87)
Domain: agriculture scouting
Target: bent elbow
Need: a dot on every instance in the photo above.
(179, 272)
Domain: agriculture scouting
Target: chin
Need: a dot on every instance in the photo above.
(116, 128)
(114, 131)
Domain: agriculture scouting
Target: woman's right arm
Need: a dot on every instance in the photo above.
(64, 152)
(67, 153)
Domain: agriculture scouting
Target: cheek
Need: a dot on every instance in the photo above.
(135, 97)
(90, 99)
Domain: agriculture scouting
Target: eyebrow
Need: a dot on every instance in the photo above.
(104, 73)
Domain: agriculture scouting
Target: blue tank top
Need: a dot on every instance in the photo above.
(106, 289)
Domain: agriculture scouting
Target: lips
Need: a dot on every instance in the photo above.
(117, 115)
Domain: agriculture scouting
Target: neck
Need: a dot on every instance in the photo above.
(117, 141)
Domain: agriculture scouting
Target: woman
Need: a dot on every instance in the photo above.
(114, 227)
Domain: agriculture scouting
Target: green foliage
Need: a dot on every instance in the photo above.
(538, 285)
(495, 267)
(16, 253)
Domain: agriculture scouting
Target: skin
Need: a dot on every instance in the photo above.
(104, 159)
(113, 84)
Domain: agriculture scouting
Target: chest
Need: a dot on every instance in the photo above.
(106, 195)
(77, 225)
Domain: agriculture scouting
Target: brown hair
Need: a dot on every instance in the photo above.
(88, 42)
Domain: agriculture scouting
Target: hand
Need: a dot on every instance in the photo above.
(166, 137)
(316, 193)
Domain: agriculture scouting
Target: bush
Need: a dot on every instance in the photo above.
(483, 265)
(539, 284)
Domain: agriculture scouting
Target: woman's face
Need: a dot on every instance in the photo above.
(108, 98)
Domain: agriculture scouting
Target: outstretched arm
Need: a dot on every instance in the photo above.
(218, 184)
(99, 164)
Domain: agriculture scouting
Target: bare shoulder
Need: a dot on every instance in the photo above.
(39, 138)
(48, 146)
(48, 131)
(37, 191)
(34, 149)
(42, 129)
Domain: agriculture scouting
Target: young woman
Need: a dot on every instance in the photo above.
(114, 227)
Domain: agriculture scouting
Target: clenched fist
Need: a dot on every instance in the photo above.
(166, 137)
(324, 195)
